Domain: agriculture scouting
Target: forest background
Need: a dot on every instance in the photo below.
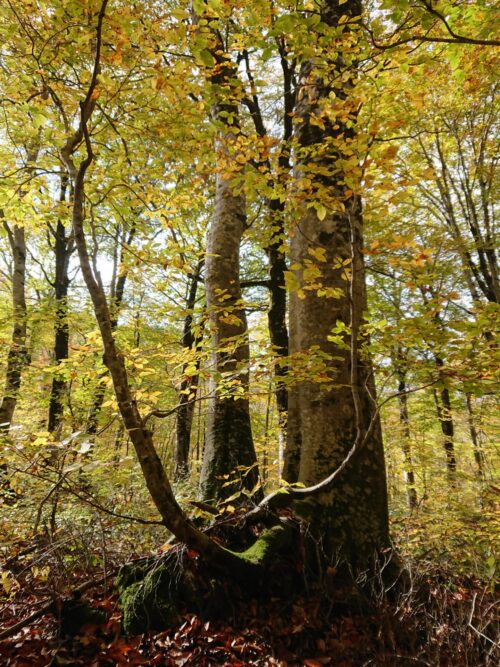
(167, 98)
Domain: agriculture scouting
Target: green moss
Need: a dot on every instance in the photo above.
(130, 573)
(146, 610)
(150, 604)
(267, 545)
(168, 589)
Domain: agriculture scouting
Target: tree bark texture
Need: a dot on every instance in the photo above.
(352, 518)
(118, 290)
(229, 449)
(445, 418)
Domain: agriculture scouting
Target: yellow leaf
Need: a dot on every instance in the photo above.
(6, 581)
(291, 282)
(318, 253)
(321, 212)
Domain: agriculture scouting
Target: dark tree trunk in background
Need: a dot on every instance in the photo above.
(189, 384)
(63, 249)
(278, 330)
(351, 518)
(404, 420)
(445, 418)
(442, 398)
(474, 436)
(17, 356)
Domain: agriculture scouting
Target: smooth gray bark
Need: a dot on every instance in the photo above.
(229, 450)
(326, 411)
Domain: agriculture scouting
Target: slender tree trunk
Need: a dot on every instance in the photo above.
(229, 449)
(118, 290)
(189, 385)
(63, 249)
(442, 399)
(445, 418)
(325, 408)
(278, 332)
(476, 445)
(411, 493)
(17, 356)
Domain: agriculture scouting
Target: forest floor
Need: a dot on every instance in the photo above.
(454, 626)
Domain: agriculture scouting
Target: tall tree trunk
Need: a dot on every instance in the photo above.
(442, 399)
(404, 420)
(17, 356)
(325, 407)
(278, 331)
(476, 445)
(445, 418)
(63, 249)
(229, 449)
(189, 384)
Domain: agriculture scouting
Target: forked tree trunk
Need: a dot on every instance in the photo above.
(325, 411)
(229, 450)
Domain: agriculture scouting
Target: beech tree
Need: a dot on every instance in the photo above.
(229, 442)
(328, 414)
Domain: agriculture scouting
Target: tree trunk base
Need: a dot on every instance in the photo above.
(156, 593)
(285, 561)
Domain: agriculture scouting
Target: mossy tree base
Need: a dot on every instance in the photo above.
(155, 595)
